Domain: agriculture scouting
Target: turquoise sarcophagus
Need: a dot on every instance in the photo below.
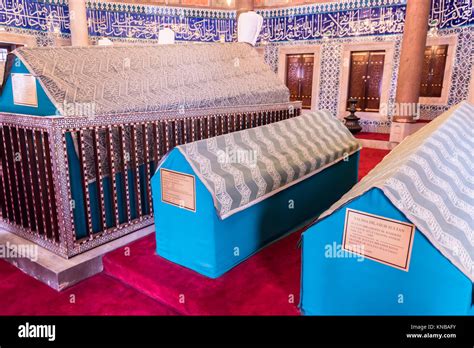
(83, 128)
(218, 201)
(401, 242)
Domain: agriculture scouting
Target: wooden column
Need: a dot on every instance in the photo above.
(412, 55)
(78, 23)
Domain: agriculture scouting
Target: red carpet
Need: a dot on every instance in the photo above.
(373, 136)
(265, 284)
(145, 284)
(369, 158)
(100, 295)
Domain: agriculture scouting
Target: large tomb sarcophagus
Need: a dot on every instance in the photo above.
(401, 242)
(226, 197)
(83, 128)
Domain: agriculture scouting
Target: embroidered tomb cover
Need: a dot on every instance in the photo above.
(242, 168)
(121, 79)
(429, 177)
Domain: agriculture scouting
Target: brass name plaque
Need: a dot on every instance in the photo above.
(378, 238)
(178, 189)
(24, 90)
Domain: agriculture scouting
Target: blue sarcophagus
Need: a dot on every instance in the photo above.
(218, 201)
(91, 123)
(401, 242)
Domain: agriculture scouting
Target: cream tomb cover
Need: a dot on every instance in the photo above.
(429, 177)
(120, 79)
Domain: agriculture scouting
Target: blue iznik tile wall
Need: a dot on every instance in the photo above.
(119, 21)
(330, 62)
(342, 19)
(143, 22)
(35, 15)
(44, 20)
(333, 25)
(330, 25)
(356, 18)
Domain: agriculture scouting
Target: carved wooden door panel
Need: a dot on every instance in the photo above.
(357, 74)
(374, 80)
(292, 76)
(365, 79)
(299, 77)
(432, 76)
(307, 80)
(425, 71)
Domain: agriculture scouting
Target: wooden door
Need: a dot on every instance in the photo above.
(357, 74)
(374, 80)
(299, 78)
(293, 67)
(365, 79)
(307, 80)
(432, 75)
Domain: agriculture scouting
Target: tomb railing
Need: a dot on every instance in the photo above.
(70, 201)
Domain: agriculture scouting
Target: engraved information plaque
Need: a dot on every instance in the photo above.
(178, 189)
(378, 238)
(24, 90)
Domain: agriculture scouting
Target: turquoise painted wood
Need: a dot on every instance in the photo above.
(208, 245)
(45, 106)
(348, 285)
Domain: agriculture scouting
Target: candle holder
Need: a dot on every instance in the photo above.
(352, 121)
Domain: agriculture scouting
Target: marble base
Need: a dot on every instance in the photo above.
(377, 144)
(400, 130)
(55, 271)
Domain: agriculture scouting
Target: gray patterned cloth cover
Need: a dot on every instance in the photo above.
(429, 177)
(241, 169)
(121, 79)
